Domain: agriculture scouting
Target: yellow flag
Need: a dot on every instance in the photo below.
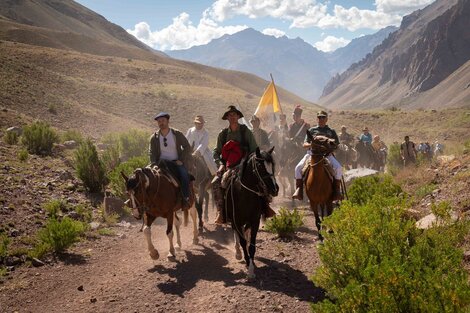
(269, 106)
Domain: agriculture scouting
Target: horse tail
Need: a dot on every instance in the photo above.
(185, 217)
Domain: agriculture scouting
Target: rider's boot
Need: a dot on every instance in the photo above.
(219, 202)
(337, 195)
(299, 191)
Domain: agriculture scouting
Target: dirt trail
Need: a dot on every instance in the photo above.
(116, 274)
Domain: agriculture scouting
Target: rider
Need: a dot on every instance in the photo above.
(365, 137)
(408, 151)
(170, 144)
(345, 137)
(261, 136)
(378, 144)
(321, 129)
(298, 129)
(235, 137)
(198, 138)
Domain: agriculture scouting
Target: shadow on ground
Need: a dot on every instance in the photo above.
(208, 266)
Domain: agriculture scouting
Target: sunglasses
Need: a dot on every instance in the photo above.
(165, 142)
(321, 117)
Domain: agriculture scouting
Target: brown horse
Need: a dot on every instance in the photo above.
(154, 193)
(319, 190)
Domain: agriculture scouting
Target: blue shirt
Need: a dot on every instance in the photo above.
(366, 138)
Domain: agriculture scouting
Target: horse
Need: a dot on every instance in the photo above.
(154, 193)
(346, 155)
(366, 156)
(290, 155)
(202, 183)
(245, 196)
(319, 188)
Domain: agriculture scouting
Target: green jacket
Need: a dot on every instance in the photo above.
(182, 147)
(248, 144)
(325, 131)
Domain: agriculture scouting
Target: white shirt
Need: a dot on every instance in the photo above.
(169, 152)
(200, 138)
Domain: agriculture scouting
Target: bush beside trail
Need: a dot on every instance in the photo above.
(90, 168)
(39, 138)
(116, 182)
(376, 260)
(285, 223)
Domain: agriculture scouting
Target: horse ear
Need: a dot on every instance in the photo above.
(124, 176)
(258, 153)
(271, 150)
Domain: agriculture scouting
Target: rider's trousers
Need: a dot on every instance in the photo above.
(338, 169)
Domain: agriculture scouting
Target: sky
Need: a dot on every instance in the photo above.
(181, 24)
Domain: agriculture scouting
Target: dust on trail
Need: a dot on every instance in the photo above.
(116, 274)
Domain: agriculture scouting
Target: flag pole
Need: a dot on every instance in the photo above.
(274, 85)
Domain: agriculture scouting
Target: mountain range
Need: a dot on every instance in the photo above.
(295, 64)
(426, 63)
(65, 64)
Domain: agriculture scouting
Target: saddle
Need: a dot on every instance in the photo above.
(326, 164)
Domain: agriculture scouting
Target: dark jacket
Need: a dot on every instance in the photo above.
(182, 147)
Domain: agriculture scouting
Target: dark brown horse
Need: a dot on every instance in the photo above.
(155, 193)
(245, 197)
(346, 156)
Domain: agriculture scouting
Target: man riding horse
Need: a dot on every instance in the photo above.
(198, 137)
(233, 143)
(170, 145)
(299, 127)
(345, 137)
(321, 129)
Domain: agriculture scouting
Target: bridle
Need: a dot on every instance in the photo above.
(261, 184)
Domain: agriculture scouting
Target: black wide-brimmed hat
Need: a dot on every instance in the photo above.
(232, 108)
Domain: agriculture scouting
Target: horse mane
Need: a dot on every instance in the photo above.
(132, 182)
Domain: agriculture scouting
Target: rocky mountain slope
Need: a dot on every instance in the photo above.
(432, 47)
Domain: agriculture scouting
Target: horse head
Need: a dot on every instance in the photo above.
(136, 185)
(263, 170)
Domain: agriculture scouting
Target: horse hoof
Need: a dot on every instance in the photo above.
(238, 255)
(154, 255)
(178, 248)
(195, 241)
(251, 276)
(206, 218)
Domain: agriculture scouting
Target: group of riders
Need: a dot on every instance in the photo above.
(237, 141)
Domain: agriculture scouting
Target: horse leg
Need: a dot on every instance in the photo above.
(193, 213)
(206, 206)
(169, 233)
(315, 207)
(238, 251)
(177, 224)
(251, 234)
(198, 205)
(148, 237)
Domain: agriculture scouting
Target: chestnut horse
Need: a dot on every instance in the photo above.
(154, 193)
(319, 190)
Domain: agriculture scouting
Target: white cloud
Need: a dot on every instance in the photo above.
(400, 6)
(273, 32)
(353, 19)
(182, 34)
(331, 43)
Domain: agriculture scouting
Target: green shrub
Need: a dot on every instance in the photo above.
(90, 168)
(72, 135)
(4, 242)
(38, 138)
(55, 208)
(394, 161)
(23, 155)
(442, 211)
(106, 232)
(85, 212)
(52, 109)
(376, 260)
(130, 144)
(363, 189)
(285, 222)
(111, 158)
(116, 182)
(10, 138)
(39, 250)
(425, 190)
(60, 235)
